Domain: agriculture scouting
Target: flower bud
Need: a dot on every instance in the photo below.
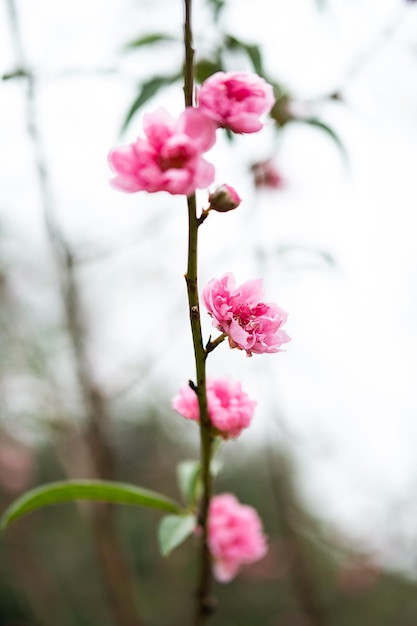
(224, 198)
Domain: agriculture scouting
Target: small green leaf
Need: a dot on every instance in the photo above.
(99, 490)
(205, 68)
(216, 466)
(147, 91)
(188, 475)
(332, 134)
(147, 40)
(173, 530)
(18, 73)
(218, 5)
(281, 112)
(252, 51)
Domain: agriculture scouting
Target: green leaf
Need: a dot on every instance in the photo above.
(19, 73)
(280, 112)
(217, 5)
(331, 133)
(147, 40)
(188, 476)
(147, 91)
(99, 490)
(205, 68)
(173, 530)
(252, 51)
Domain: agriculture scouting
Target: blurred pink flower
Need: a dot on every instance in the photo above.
(169, 157)
(230, 408)
(250, 323)
(17, 466)
(235, 536)
(267, 176)
(224, 198)
(236, 100)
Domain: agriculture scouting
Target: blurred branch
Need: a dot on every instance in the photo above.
(366, 55)
(69, 72)
(303, 578)
(117, 577)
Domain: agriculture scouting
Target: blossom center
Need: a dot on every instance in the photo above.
(247, 316)
(175, 155)
(237, 91)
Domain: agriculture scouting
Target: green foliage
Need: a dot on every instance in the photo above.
(147, 40)
(205, 68)
(209, 65)
(53, 560)
(217, 6)
(99, 490)
(147, 90)
(174, 530)
(253, 52)
(19, 73)
(188, 475)
(331, 133)
(280, 112)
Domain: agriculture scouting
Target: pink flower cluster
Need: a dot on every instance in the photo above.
(250, 323)
(235, 536)
(230, 408)
(169, 157)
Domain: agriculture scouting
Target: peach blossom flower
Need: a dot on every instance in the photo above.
(235, 536)
(169, 157)
(250, 323)
(236, 100)
(266, 175)
(230, 408)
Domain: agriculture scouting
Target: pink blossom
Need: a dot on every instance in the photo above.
(224, 198)
(169, 157)
(230, 408)
(235, 536)
(17, 466)
(267, 176)
(250, 323)
(236, 100)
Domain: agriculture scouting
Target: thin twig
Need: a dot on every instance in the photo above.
(302, 576)
(365, 56)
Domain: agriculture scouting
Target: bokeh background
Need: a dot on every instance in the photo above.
(93, 314)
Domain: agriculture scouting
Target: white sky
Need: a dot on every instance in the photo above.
(346, 386)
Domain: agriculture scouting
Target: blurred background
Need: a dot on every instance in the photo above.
(94, 324)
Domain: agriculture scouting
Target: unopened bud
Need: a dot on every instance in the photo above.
(224, 199)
